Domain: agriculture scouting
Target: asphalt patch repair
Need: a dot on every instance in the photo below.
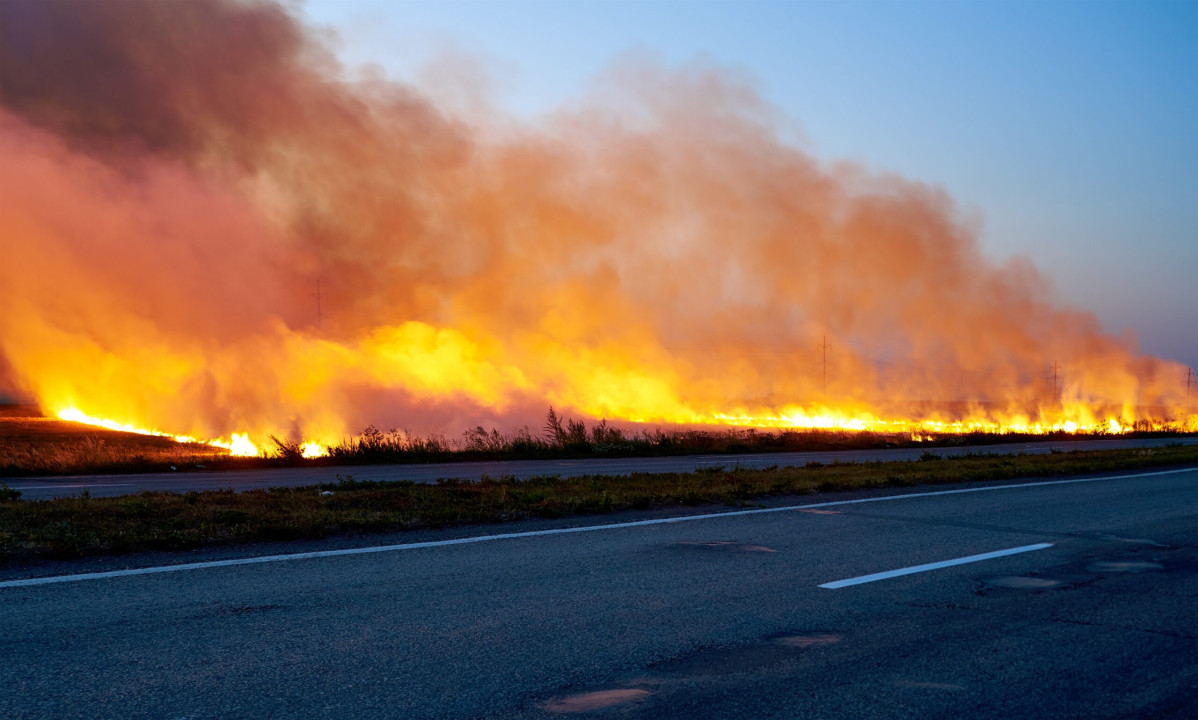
(703, 663)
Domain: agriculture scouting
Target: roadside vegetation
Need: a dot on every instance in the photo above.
(31, 444)
(45, 446)
(74, 527)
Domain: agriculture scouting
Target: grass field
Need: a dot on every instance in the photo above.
(73, 527)
(34, 445)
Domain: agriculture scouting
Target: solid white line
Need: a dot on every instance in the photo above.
(933, 566)
(59, 487)
(556, 531)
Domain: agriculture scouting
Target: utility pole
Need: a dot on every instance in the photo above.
(1055, 369)
(1189, 383)
(824, 347)
(319, 312)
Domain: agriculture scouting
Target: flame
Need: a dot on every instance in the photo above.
(252, 243)
(922, 429)
(240, 446)
(314, 450)
(919, 430)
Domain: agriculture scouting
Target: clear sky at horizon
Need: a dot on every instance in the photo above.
(1070, 129)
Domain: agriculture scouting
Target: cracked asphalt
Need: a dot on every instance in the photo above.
(715, 618)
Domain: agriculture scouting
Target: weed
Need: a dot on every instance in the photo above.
(287, 449)
(44, 446)
(85, 525)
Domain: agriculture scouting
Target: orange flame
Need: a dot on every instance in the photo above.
(239, 445)
(250, 244)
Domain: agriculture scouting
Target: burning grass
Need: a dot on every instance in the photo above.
(73, 527)
(31, 444)
(228, 269)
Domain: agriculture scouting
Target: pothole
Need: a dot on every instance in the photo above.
(745, 658)
(768, 655)
(596, 700)
(1127, 566)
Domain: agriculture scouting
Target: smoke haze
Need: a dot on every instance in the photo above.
(180, 178)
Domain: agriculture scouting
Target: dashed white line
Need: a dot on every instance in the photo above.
(29, 582)
(933, 566)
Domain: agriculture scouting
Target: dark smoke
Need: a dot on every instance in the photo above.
(180, 175)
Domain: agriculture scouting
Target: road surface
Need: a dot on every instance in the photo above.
(40, 488)
(1055, 599)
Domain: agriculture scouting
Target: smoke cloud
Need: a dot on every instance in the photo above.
(179, 179)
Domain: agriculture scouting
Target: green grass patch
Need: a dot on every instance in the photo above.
(74, 527)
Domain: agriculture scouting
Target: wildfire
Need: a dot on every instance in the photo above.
(923, 430)
(313, 450)
(245, 243)
(239, 446)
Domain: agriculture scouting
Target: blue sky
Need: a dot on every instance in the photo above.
(1069, 128)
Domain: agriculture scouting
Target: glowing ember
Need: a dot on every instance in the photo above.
(314, 450)
(242, 447)
(922, 430)
(239, 446)
(75, 415)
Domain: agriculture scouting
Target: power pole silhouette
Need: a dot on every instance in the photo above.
(1189, 384)
(1055, 369)
(319, 312)
(824, 348)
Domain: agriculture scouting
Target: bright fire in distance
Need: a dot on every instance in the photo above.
(219, 232)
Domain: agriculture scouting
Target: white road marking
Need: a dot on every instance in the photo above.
(556, 531)
(933, 566)
(85, 485)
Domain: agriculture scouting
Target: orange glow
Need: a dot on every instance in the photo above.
(239, 445)
(258, 246)
(313, 450)
(74, 415)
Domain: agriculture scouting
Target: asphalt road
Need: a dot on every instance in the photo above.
(1091, 615)
(40, 488)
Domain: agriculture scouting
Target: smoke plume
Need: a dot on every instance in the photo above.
(210, 226)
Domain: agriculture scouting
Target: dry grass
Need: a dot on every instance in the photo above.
(168, 521)
(32, 444)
